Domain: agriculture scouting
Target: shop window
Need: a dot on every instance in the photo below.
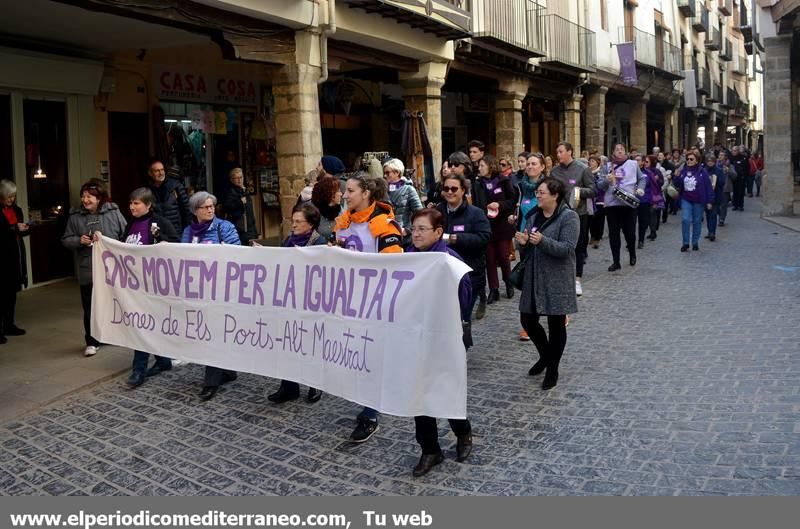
(6, 159)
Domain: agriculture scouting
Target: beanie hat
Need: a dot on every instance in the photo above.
(332, 165)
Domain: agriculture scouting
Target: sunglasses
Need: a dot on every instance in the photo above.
(448, 189)
(691, 159)
(503, 164)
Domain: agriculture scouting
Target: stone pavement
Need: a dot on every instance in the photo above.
(680, 377)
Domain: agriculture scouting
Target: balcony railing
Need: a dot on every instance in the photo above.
(714, 95)
(740, 65)
(510, 24)
(700, 18)
(444, 18)
(725, 7)
(713, 39)
(568, 43)
(728, 97)
(703, 81)
(652, 51)
(753, 113)
(726, 53)
(686, 7)
(744, 23)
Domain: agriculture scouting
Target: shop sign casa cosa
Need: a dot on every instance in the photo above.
(186, 85)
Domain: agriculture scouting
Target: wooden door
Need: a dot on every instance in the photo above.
(128, 155)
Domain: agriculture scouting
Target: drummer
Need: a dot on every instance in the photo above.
(624, 177)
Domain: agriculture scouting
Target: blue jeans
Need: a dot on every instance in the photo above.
(368, 414)
(691, 215)
(711, 219)
(140, 359)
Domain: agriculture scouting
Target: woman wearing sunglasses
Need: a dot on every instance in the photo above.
(696, 195)
(467, 231)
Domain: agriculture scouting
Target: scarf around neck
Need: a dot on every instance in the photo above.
(198, 229)
(298, 240)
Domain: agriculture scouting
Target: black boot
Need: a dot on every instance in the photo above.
(481, 310)
(466, 334)
(550, 378)
(286, 392)
(426, 463)
(538, 368)
(494, 296)
(509, 289)
(136, 379)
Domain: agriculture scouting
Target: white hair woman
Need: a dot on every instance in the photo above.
(404, 198)
(13, 267)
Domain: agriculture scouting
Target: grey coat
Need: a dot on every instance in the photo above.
(405, 201)
(576, 175)
(108, 220)
(550, 271)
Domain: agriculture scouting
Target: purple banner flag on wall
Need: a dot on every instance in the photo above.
(627, 63)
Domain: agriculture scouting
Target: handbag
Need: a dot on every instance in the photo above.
(517, 276)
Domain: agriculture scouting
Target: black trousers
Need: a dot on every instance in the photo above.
(621, 219)
(738, 192)
(428, 432)
(86, 302)
(647, 217)
(551, 348)
(8, 305)
(597, 223)
(216, 376)
(583, 243)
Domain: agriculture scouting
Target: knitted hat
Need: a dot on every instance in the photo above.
(332, 165)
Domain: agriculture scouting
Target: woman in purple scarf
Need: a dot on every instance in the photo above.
(305, 221)
(427, 227)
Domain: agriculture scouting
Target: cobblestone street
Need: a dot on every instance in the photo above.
(680, 377)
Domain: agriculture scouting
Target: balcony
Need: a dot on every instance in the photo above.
(686, 7)
(740, 65)
(744, 23)
(700, 18)
(730, 97)
(725, 7)
(726, 53)
(703, 81)
(715, 95)
(512, 25)
(713, 39)
(568, 44)
(654, 52)
(450, 19)
(753, 113)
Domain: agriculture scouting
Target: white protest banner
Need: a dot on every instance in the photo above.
(380, 330)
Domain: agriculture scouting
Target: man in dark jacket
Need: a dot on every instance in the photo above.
(741, 168)
(576, 176)
(238, 207)
(172, 202)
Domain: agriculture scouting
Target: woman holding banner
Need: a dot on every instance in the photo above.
(367, 225)
(96, 214)
(146, 228)
(305, 221)
(427, 227)
(208, 229)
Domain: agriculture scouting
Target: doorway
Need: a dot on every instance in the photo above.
(128, 155)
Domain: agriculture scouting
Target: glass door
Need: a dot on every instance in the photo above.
(46, 164)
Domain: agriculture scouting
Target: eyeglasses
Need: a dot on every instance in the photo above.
(541, 193)
(209, 206)
(448, 189)
(420, 229)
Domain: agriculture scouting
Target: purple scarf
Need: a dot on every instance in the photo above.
(198, 229)
(494, 182)
(297, 240)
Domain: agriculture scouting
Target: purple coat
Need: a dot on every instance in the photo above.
(464, 286)
(695, 185)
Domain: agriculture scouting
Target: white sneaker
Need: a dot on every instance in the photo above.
(90, 350)
(578, 288)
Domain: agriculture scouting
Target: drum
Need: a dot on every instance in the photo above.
(626, 197)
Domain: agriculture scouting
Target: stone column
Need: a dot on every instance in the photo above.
(423, 93)
(692, 139)
(671, 132)
(711, 121)
(572, 122)
(638, 119)
(596, 120)
(299, 135)
(778, 190)
(508, 117)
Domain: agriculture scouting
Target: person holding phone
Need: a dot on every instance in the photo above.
(13, 266)
(95, 214)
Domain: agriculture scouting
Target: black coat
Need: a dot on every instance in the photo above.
(502, 230)
(472, 230)
(241, 215)
(172, 203)
(13, 264)
(167, 231)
